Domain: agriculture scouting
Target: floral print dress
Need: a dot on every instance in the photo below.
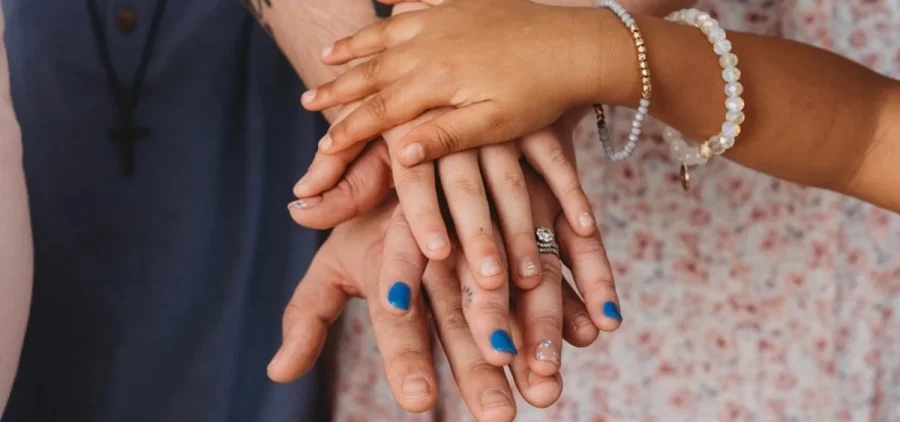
(745, 299)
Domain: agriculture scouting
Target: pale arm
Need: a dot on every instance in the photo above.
(302, 28)
(15, 238)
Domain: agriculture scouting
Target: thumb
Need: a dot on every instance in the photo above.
(365, 184)
(316, 304)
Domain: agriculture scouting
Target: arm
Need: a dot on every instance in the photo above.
(303, 28)
(812, 117)
(15, 238)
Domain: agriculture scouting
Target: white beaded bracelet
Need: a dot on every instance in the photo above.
(644, 104)
(688, 153)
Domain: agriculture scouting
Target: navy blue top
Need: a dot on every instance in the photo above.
(159, 298)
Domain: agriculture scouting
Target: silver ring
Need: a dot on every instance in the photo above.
(546, 241)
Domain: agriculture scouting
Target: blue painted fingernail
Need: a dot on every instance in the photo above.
(611, 310)
(398, 296)
(502, 342)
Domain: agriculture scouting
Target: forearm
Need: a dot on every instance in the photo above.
(302, 28)
(812, 116)
(15, 239)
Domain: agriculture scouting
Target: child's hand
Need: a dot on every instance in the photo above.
(509, 67)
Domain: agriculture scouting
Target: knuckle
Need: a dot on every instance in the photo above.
(377, 107)
(557, 157)
(453, 319)
(469, 187)
(525, 240)
(410, 179)
(406, 352)
(406, 263)
(546, 318)
(491, 304)
(371, 69)
(551, 271)
(494, 119)
(479, 368)
(446, 138)
(590, 249)
(514, 182)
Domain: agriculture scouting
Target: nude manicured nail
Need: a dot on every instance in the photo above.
(327, 51)
(414, 386)
(490, 267)
(586, 220)
(436, 243)
(308, 96)
(548, 351)
(306, 203)
(529, 268)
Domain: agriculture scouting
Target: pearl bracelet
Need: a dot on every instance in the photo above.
(644, 104)
(689, 154)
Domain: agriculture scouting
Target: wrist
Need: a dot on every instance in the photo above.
(610, 75)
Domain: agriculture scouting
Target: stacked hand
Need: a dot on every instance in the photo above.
(383, 252)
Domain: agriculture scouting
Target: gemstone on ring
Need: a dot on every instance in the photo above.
(544, 235)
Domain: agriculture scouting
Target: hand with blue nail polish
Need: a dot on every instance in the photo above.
(398, 296)
(501, 341)
(348, 265)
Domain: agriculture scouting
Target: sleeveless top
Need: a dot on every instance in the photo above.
(159, 298)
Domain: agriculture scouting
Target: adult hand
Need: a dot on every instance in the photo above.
(343, 269)
(583, 254)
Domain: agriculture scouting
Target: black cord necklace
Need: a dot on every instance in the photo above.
(125, 132)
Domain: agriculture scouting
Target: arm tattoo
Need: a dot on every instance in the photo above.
(468, 295)
(256, 8)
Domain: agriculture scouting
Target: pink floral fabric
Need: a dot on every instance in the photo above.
(746, 299)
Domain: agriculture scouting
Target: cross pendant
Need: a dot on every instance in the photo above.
(124, 133)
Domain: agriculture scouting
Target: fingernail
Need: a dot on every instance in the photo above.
(308, 96)
(398, 296)
(415, 385)
(274, 362)
(302, 182)
(306, 203)
(548, 351)
(414, 153)
(436, 243)
(494, 397)
(611, 310)
(581, 319)
(327, 51)
(490, 267)
(529, 268)
(284, 352)
(586, 220)
(325, 143)
(502, 342)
